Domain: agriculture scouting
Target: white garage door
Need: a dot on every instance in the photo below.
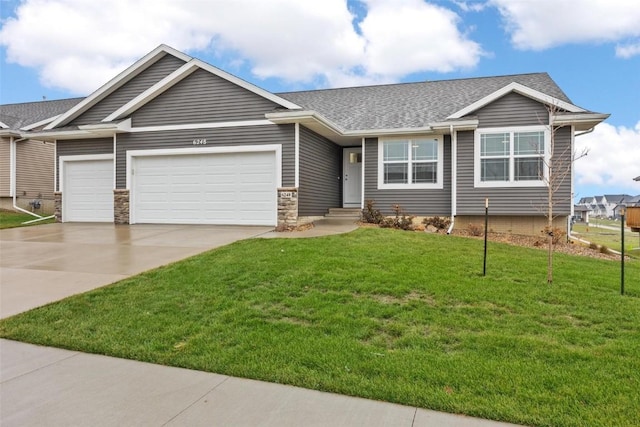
(229, 188)
(87, 193)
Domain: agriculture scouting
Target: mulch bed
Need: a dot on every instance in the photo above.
(571, 247)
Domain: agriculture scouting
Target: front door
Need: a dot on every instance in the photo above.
(352, 177)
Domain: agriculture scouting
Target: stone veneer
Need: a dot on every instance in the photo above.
(57, 205)
(121, 206)
(287, 208)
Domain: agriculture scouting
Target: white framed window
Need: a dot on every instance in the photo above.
(511, 157)
(414, 162)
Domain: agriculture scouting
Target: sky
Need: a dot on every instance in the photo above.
(53, 49)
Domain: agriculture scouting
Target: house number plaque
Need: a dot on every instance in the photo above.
(200, 141)
(286, 195)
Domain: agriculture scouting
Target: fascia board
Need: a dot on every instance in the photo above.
(522, 90)
(566, 119)
(153, 92)
(40, 123)
(310, 115)
(457, 124)
(301, 116)
(246, 85)
(388, 132)
(9, 132)
(116, 82)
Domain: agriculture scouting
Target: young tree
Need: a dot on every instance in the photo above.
(556, 170)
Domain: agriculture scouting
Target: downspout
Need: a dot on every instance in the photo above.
(454, 176)
(13, 179)
(362, 178)
(573, 138)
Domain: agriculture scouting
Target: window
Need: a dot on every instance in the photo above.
(410, 163)
(511, 157)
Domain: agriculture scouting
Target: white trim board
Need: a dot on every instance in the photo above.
(189, 126)
(522, 90)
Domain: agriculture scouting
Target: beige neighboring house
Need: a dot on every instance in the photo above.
(27, 165)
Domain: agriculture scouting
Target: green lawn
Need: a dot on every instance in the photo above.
(383, 314)
(610, 238)
(10, 219)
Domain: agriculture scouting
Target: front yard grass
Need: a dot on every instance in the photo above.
(10, 219)
(610, 238)
(382, 314)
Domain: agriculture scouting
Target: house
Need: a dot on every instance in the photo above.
(26, 165)
(173, 139)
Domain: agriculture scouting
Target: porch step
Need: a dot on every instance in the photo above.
(343, 213)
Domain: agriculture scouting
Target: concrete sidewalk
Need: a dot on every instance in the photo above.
(42, 386)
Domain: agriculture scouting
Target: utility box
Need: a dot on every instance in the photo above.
(633, 218)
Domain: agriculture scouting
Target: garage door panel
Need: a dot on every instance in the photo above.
(88, 191)
(206, 189)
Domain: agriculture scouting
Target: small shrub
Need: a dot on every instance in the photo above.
(557, 234)
(370, 214)
(400, 220)
(437, 222)
(604, 249)
(593, 246)
(475, 230)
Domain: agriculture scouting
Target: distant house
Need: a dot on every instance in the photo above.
(173, 139)
(26, 164)
(581, 213)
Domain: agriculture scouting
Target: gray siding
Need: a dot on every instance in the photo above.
(320, 169)
(203, 97)
(34, 169)
(513, 110)
(5, 167)
(248, 135)
(78, 147)
(414, 202)
(134, 87)
(509, 201)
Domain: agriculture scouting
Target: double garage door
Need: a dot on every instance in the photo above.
(209, 188)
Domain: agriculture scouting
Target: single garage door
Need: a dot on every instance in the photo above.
(212, 188)
(87, 195)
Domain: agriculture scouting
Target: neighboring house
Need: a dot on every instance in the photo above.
(611, 201)
(27, 165)
(581, 213)
(626, 202)
(173, 139)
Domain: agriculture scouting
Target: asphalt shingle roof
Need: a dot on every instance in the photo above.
(410, 104)
(19, 115)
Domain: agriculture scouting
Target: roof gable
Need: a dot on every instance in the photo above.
(519, 89)
(181, 74)
(117, 82)
(201, 97)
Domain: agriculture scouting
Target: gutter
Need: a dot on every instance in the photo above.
(454, 180)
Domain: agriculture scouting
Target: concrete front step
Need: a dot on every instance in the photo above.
(343, 213)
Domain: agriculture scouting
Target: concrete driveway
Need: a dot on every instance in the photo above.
(49, 262)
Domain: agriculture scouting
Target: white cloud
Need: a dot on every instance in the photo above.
(78, 45)
(613, 160)
(409, 35)
(629, 50)
(542, 24)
